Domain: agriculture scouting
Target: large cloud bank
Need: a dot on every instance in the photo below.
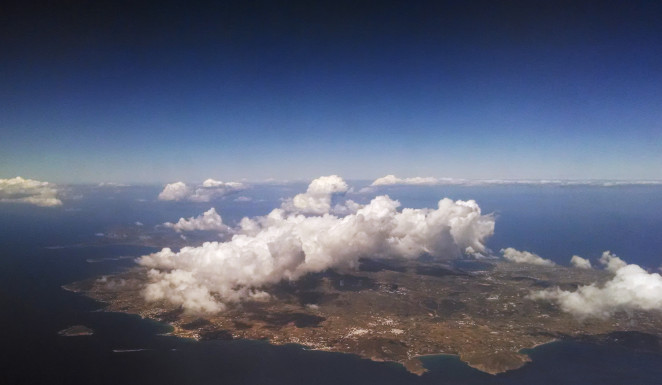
(208, 190)
(286, 244)
(19, 190)
(517, 256)
(631, 288)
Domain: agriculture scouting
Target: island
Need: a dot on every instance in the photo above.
(397, 310)
(76, 331)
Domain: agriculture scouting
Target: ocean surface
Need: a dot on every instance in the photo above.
(42, 249)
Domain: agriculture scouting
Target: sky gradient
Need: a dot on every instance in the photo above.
(139, 92)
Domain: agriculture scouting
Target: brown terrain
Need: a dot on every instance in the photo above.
(396, 311)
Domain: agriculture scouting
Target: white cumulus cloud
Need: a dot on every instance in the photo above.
(631, 288)
(175, 192)
(208, 190)
(286, 244)
(517, 256)
(580, 263)
(210, 220)
(317, 198)
(20, 190)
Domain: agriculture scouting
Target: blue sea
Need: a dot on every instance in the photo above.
(42, 249)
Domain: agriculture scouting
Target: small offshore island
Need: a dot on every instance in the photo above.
(393, 310)
(76, 331)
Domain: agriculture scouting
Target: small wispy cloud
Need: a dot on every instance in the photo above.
(390, 180)
(112, 184)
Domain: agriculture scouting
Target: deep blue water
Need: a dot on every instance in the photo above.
(554, 222)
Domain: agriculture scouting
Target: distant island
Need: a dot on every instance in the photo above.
(392, 310)
(76, 331)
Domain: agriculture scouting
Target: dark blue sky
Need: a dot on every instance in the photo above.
(152, 92)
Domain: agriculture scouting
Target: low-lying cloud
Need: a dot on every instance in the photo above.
(390, 180)
(517, 256)
(210, 220)
(580, 263)
(304, 236)
(632, 288)
(208, 190)
(20, 190)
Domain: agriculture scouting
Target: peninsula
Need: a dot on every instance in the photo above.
(392, 310)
